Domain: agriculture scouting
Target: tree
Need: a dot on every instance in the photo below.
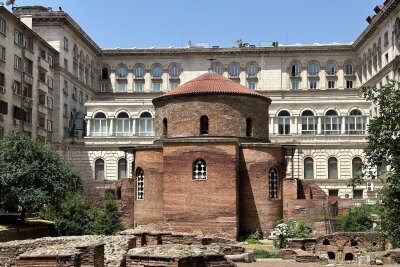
(32, 174)
(383, 148)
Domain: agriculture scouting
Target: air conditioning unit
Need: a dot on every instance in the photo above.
(2, 90)
(370, 186)
(78, 134)
(15, 87)
(347, 195)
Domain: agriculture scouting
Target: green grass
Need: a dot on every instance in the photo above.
(262, 250)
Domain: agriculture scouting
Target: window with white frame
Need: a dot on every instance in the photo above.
(331, 122)
(99, 170)
(349, 84)
(156, 87)
(199, 170)
(251, 70)
(49, 125)
(139, 72)
(332, 168)
(103, 87)
(284, 122)
(50, 82)
(139, 87)
(122, 165)
(234, 70)
(65, 43)
(121, 72)
(295, 70)
(308, 168)
(2, 53)
(330, 69)
(355, 122)
(121, 87)
(312, 69)
(49, 102)
(174, 72)
(295, 85)
(331, 84)
(18, 38)
(2, 26)
(146, 125)
(217, 69)
(356, 166)
(140, 184)
(156, 72)
(308, 123)
(273, 184)
(18, 63)
(313, 84)
(50, 60)
(100, 125)
(123, 125)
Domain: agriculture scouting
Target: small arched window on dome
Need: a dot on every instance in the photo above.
(140, 184)
(165, 127)
(273, 185)
(199, 170)
(249, 127)
(204, 124)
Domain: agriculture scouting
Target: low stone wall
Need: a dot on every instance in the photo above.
(50, 261)
(307, 244)
(25, 232)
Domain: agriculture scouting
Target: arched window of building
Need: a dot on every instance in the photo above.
(331, 122)
(332, 168)
(249, 127)
(330, 69)
(100, 125)
(308, 122)
(349, 69)
(295, 70)
(121, 72)
(75, 52)
(313, 69)
(273, 185)
(308, 168)
(355, 122)
(156, 72)
(199, 170)
(99, 170)
(104, 74)
(174, 72)
(217, 68)
(121, 168)
(139, 72)
(123, 125)
(140, 184)
(165, 127)
(146, 124)
(356, 166)
(204, 124)
(252, 70)
(234, 70)
(284, 122)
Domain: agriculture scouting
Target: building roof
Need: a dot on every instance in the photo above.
(211, 83)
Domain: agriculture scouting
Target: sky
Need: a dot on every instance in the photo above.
(166, 23)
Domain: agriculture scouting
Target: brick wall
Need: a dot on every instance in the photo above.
(49, 261)
(127, 200)
(92, 255)
(257, 210)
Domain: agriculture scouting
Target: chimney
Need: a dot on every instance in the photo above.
(27, 20)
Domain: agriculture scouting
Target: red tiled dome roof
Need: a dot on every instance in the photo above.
(211, 83)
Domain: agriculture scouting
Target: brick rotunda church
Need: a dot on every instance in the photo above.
(212, 169)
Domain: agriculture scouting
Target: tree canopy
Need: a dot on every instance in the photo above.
(383, 149)
(32, 174)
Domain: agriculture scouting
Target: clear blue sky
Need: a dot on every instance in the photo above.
(164, 23)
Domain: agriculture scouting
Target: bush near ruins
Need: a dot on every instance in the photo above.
(291, 229)
(32, 175)
(78, 216)
(359, 219)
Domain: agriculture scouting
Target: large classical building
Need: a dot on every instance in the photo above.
(93, 102)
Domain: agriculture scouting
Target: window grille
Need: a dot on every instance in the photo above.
(273, 183)
(199, 170)
(140, 184)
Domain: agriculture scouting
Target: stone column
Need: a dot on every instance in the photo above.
(111, 132)
(88, 127)
(343, 131)
(319, 125)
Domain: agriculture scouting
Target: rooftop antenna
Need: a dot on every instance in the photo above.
(211, 59)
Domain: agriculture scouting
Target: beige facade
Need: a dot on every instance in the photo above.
(317, 104)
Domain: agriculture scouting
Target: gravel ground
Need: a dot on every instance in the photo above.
(291, 263)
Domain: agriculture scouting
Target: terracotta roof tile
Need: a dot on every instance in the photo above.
(211, 83)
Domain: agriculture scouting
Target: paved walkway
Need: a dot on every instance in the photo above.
(291, 263)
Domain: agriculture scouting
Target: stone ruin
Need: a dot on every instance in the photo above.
(128, 248)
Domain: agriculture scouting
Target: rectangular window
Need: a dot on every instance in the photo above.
(18, 38)
(50, 102)
(2, 26)
(75, 93)
(156, 87)
(386, 58)
(28, 43)
(18, 63)
(386, 39)
(50, 82)
(358, 194)
(2, 79)
(349, 84)
(65, 43)
(2, 53)
(313, 85)
(28, 67)
(3, 107)
(49, 125)
(50, 60)
(66, 64)
(122, 87)
(65, 111)
(331, 84)
(333, 192)
(103, 87)
(295, 85)
(81, 97)
(139, 87)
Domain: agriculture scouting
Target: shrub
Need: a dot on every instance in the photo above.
(291, 229)
(251, 241)
(263, 254)
(359, 219)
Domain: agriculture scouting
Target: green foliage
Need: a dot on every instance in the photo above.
(256, 235)
(299, 228)
(264, 254)
(384, 148)
(251, 241)
(77, 216)
(359, 219)
(396, 259)
(32, 174)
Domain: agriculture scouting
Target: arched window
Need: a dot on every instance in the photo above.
(139, 72)
(140, 184)
(123, 125)
(295, 70)
(156, 72)
(217, 68)
(249, 127)
(121, 168)
(308, 168)
(356, 166)
(284, 122)
(75, 52)
(165, 127)
(100, 125)
(174, 72)
(332, 168)
(146, 124)
(199, 170)
(104, 74)
(355, 122)
(251, 70)
(234, 70)
(312, 69)
(331, 69)
(121, 72)
(99, 170)
(273, 185)
(308, 122)
(204, 124)
(331, 122)
(349, 69)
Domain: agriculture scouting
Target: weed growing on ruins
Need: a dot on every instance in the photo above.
(290, 229)
(359, 219)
